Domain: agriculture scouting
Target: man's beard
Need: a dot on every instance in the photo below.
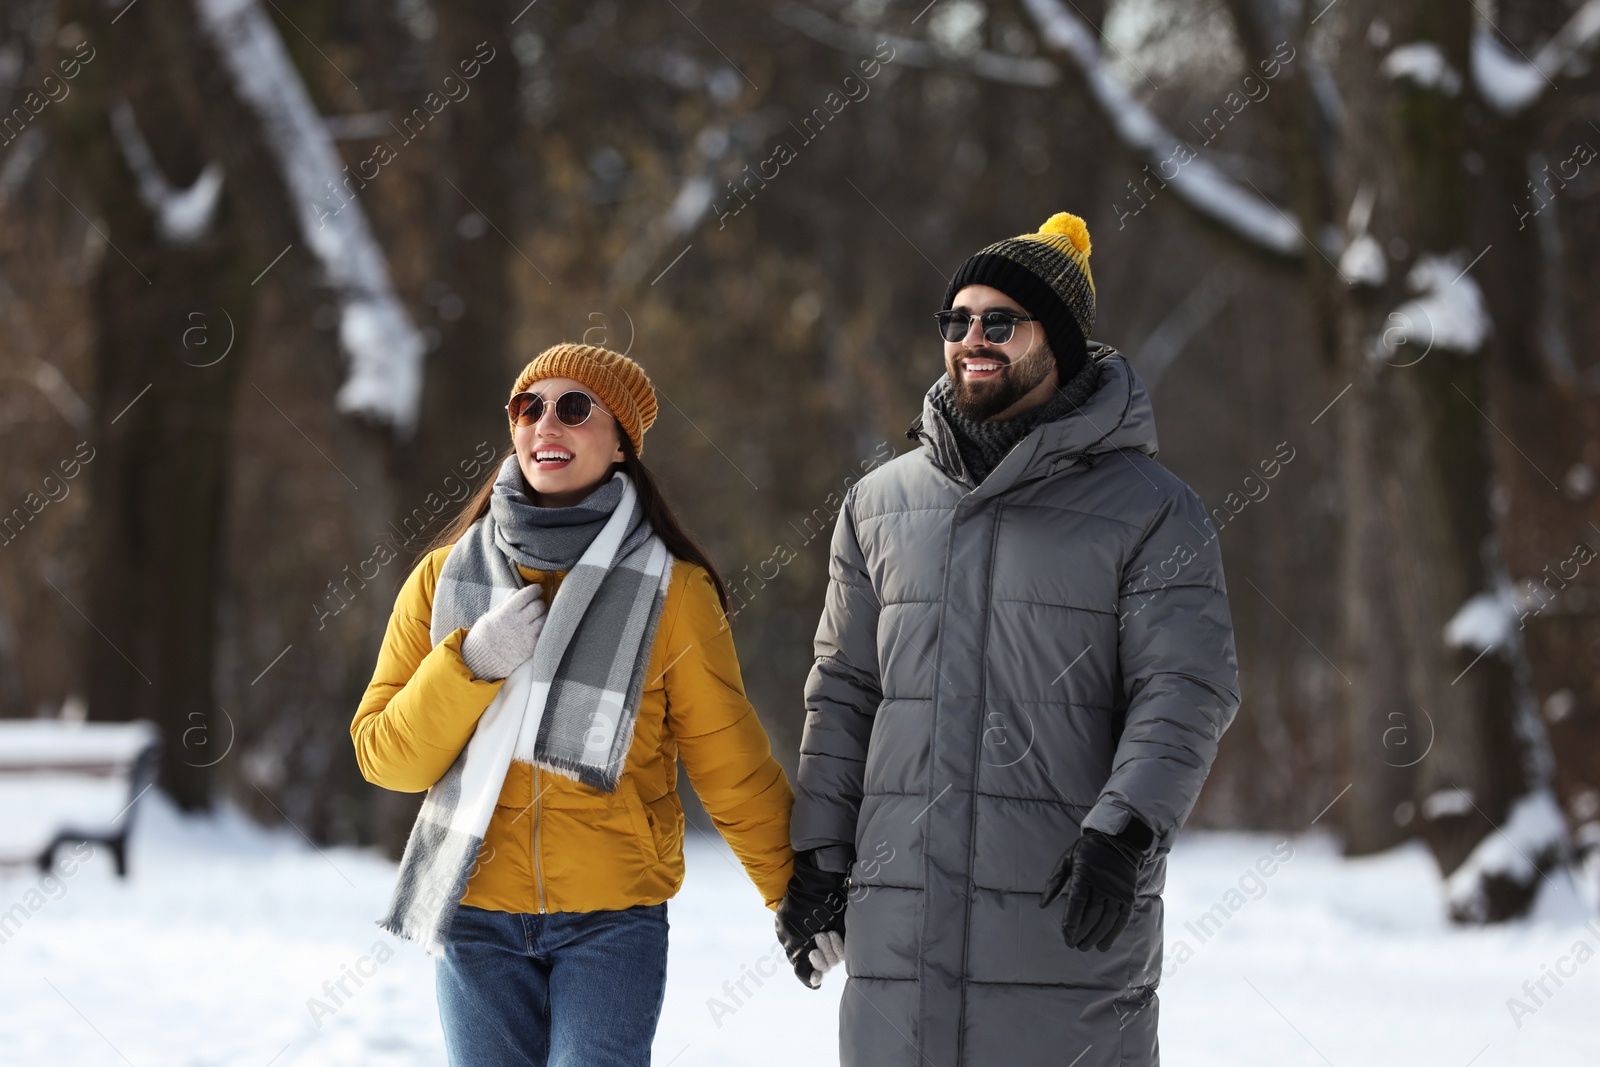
(981, 401)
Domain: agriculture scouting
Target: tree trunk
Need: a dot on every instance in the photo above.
(165, 312)
(1420, 542)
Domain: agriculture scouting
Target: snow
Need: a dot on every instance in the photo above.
(56, 775)
(40, 806)
(1326, 92)
(1505, 81)
(185, 215)
(957, 26)
(383, 346)
(224, 946)
(20, 160)
(1448, 312)
(1447, 802)
(1361, 205)
(30, 742)
(1423, 63)
(1484, 622)
(1363, 262)
(691, 204)
(1534, 829)
(182, 215)
(1511, 84)
(1580, 33)
(1197, 181)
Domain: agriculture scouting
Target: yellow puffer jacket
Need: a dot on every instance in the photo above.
(555, 844)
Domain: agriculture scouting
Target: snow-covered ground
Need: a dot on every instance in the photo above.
(217, 950)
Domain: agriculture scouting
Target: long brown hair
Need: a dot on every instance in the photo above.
(662, 518)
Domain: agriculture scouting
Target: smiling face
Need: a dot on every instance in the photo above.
(563, 464)
(998, 381)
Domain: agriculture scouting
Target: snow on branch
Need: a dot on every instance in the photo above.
(182, 215)
(1530, 842)
(1448, 311)
(1511, 84)
(385, 350)
(995, 66)
(1196, 181)
(19, 163)
(1363, 261)
(1422, 63)
(1484, 622)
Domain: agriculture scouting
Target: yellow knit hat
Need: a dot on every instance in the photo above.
(619, 382)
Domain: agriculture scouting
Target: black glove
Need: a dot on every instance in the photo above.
(1099, 874)
(812, 904)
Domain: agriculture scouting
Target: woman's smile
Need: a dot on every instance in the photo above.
(551, 457)
(562, 462)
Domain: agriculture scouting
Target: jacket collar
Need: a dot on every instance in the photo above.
(1117, 416)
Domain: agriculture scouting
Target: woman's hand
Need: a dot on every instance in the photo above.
(504, 636)
(810, 919)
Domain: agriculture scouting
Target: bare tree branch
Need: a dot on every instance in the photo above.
(994, 66)
(385, 349)
(1511, 84)
(183, 216)
(1247, 214)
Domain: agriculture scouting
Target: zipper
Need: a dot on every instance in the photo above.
(977, 756)
(538, 794)
(538, 873)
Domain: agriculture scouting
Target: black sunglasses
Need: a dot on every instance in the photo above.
(998, 326)
(573, 408)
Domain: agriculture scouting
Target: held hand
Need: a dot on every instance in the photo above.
(504, 635)
(828, 954)
(1099, 875)
(810, 919)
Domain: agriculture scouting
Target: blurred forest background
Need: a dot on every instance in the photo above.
(268, 269)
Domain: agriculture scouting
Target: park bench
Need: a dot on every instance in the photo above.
(64, 781)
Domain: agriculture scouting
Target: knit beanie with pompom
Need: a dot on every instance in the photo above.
(1048, 274)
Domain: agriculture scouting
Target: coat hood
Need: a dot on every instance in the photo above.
(1117, 416)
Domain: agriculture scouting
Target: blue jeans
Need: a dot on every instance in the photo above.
(561, 989)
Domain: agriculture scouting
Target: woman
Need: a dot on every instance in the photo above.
(548, 737)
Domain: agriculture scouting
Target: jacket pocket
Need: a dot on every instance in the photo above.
(643, 827)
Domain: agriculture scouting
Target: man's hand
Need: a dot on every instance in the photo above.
(811, 918)
(1099, 875)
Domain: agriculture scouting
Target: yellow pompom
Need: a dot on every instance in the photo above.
(1071, 225)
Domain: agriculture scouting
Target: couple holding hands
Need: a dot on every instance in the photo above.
(1012, 700)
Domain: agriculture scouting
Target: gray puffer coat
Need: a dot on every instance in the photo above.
(997, 666)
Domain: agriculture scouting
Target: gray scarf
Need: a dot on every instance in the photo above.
(982, 445)
(571, 707)
(550, 539)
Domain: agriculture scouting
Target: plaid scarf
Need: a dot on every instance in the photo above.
(570, 708)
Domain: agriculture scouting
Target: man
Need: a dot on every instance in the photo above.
(1023, 668)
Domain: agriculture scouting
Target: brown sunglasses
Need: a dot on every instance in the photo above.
(573, 408)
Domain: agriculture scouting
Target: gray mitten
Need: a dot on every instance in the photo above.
(829, 952)
(504, 635)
